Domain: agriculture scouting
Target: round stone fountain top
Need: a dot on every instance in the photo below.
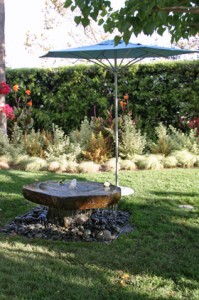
(71, 195)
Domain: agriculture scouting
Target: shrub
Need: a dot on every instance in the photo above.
(131, 141)
(34, 143)
(85, 134)
(4, 144)
(171, 139)
(61, 145)
(163, 143)
(181, 140)
(97, 150)
(17, 141)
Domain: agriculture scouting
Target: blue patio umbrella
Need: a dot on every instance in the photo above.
(114, 58)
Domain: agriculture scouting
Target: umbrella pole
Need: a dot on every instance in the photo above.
(116, 123)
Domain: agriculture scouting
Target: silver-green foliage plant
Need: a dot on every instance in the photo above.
(17, 146)
(163, 144)
(172, 139)
(181, 140)
(14, 146)
(61, 145)
(131, 141)
(4, 144)
(85, 134)
(81, 139)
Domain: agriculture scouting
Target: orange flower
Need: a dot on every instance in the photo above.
(126, 97)
(15, 88)
(29, 103)
(28, 92)
(121, 103)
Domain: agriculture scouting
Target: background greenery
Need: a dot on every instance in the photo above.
(158, 92)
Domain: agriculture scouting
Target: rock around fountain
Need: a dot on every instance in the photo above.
(71, 211)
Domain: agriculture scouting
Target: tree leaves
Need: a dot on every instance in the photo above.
(148, 16)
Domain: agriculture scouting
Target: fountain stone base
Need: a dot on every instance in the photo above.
(66, 199)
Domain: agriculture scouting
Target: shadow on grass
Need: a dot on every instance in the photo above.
(12, 185)
(57, 273)
(160, 256)
(172, 193)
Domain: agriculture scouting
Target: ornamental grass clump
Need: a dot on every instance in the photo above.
(126, 164)
(57, 164)
(30, 163)
(110, 165)
(196, 164)
(4, 162)
(71, 167)
(53, 166)
(170, 162)
(150, 162)
(35, 164)
(88, 167)
(185, 159)
(20, 161)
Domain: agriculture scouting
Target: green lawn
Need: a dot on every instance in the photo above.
(158, 260)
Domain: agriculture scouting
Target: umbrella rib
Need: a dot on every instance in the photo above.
(99, 62)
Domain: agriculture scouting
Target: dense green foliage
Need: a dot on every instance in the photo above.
(181, 18)
(158, 92)
(157, 260)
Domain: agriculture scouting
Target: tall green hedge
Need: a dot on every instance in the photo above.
(64, 96)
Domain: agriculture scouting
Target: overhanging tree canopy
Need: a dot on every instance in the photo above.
(180, 17)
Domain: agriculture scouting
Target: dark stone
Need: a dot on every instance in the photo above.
(86, 195)
(116, 223)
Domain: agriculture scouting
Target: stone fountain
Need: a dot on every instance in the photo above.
(66, 199)
(71, 211)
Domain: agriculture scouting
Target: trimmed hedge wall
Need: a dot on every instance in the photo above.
(64, 96)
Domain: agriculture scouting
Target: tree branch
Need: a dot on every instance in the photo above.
(179, 9)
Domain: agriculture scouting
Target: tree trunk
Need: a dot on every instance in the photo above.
(3, 121)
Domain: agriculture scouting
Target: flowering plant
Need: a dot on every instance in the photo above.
(8, 111)
(22, 107)
(124, 103)
(191, 123)
(21, 111)
(5, 108)
(4, 88)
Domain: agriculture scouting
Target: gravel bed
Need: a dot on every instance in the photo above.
(100, 225)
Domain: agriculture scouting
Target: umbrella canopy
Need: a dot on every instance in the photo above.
(112, 57)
